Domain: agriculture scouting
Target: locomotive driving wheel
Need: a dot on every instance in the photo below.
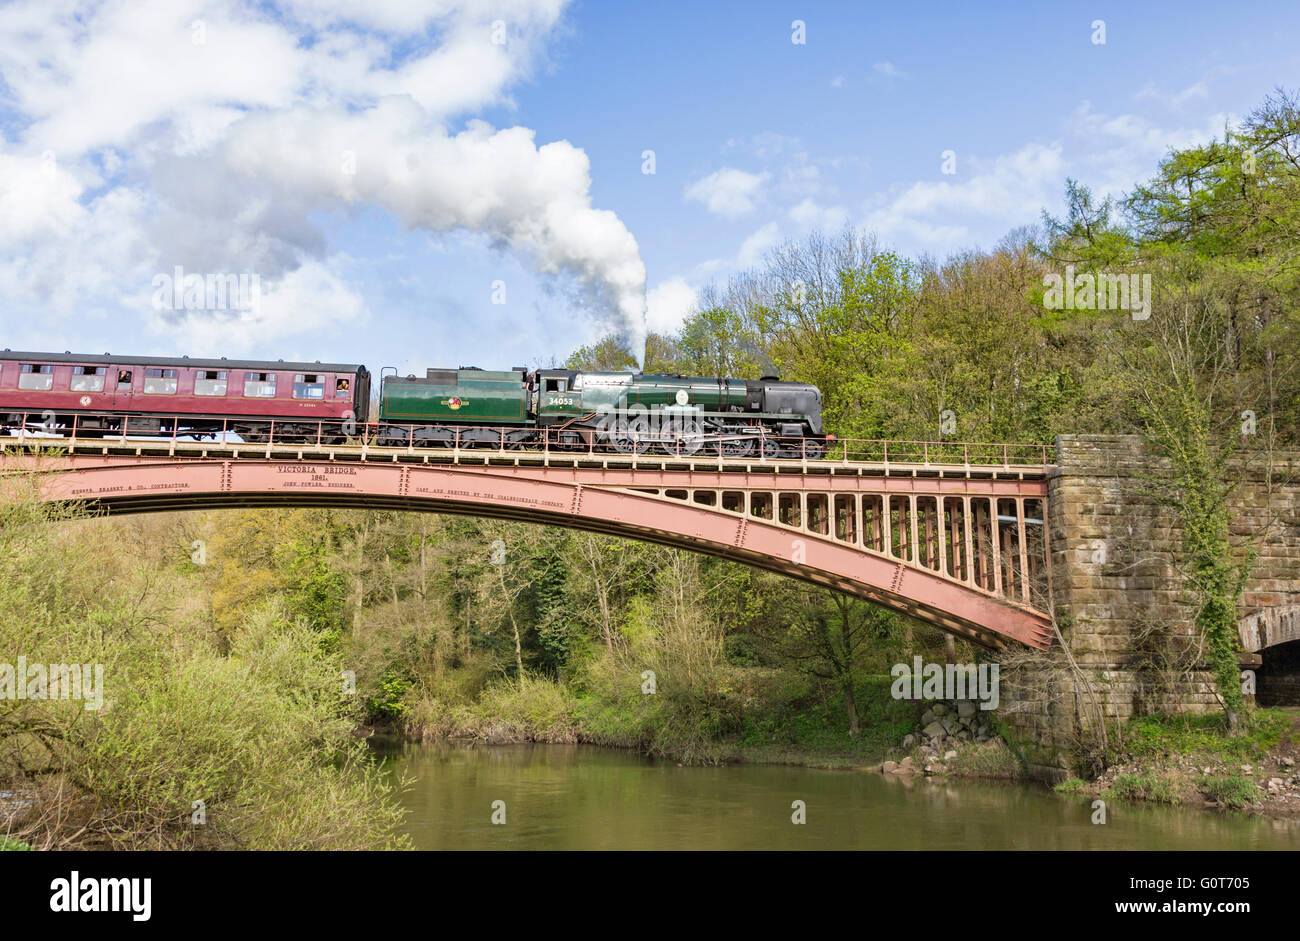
(736, 447)
(681, 438)
(633, 438)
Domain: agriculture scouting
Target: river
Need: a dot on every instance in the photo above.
(583, 797)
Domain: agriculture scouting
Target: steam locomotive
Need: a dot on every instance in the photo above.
(560, 409)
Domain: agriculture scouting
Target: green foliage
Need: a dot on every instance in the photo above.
(388, 701)
(1205, 736)
(1232, 790)
(798, 718)
(1156, 787)
(607, 355)
(535, 704)
(251, 721)
(1071, 787)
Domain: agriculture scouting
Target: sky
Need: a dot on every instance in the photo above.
(444, 183)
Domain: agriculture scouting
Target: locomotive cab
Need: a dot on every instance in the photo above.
(557, 396)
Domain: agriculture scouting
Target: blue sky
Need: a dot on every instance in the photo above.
(139, 136)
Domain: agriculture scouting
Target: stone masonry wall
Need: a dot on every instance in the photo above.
(1113, 553)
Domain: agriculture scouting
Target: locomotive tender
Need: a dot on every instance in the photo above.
(560, 409)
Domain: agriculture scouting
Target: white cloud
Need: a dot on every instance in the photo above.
(990, 196)
(1113, 152)
(752, 249)
(668, 304)
(229, 127)
(888, 71)
(1007, 191)
(310, 293)
(809, 214)
(1149, 92)
(729, 192)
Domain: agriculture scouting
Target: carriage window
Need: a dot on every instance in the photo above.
(36, 377)
(88, 378)
(160, 382)
(308, 386)
(124, 380)
(210, 382)
(259, 385)
(343, 389)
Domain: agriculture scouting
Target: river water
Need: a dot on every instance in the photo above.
(584, 797)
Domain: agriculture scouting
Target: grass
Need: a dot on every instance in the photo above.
(1146, 786)
(1232, 790)
(992, 759)
(1073, 787)
(8, 844)
(1205, 735)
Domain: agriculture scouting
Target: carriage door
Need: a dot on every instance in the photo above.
(121, 383)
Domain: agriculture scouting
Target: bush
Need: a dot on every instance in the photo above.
(1148, 786)
(1233, 790)
(542, 707)
(193, 745)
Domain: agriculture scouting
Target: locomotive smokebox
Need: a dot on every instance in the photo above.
(793, 398)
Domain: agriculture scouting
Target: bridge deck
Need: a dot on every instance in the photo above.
(961, 546)
(201, 450)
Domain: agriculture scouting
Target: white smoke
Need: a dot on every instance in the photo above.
(534, 200)
(238, 121)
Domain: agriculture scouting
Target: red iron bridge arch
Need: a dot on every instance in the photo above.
(953, 534)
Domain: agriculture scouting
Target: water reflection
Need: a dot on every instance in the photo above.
(582, 797)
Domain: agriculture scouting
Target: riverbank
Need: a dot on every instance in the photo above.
(1186, 761)
(757, 716)
(1192, 761)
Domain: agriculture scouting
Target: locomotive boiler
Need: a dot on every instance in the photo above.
(619, 411)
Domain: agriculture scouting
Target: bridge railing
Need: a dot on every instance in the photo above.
(974, 453)
(39, 427)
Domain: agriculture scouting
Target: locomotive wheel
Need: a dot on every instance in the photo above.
(623, 443)
(814, 450)
(635, 440)
(737, 447)
(682, 439)
(772, 449)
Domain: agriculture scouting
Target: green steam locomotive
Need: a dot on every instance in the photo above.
(627, 413)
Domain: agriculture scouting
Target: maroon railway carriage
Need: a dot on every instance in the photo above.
(155, 395)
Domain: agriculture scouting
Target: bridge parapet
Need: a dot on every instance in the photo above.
(1118, 593)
